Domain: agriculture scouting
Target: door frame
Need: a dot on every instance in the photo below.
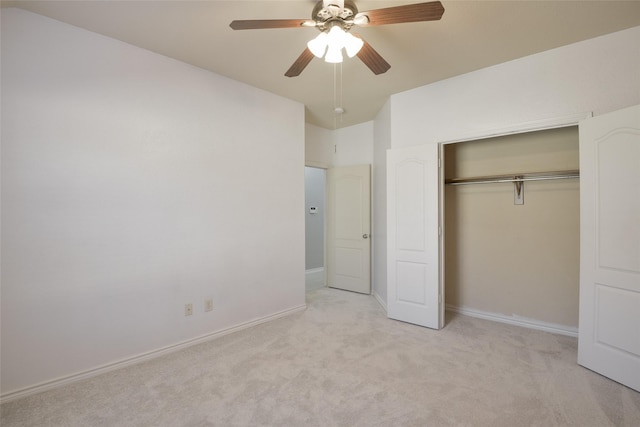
(326, 167)
(364, 241)
(526, 127)
(324, 225)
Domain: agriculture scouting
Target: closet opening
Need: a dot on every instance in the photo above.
(511, 241)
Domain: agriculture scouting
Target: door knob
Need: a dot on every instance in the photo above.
(365, 236)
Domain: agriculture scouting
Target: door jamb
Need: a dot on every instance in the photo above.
(526, 127)
(324, 225)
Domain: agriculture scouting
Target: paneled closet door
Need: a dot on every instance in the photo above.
(609, 330)
(413, 242)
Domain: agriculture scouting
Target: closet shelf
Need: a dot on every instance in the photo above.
(515, 178)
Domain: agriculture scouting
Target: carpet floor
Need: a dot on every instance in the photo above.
(341, 362)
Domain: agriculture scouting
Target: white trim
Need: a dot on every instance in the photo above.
(314, 278)
(79, 376)
(382, 303)
(317, 165)
(517, 321)
(533, 126)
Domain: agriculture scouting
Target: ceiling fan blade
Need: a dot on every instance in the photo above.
(258, 24)
(372, 59)
(431, 11)
(300, 64)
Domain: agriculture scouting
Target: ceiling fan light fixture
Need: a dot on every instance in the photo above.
(318, 46)
(335, 37)
(352, 44)
(333, 6)
(332, 43)
(335, 43)
(334, 19)
(334, 55)
(327, 3)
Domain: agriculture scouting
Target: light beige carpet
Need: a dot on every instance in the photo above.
(343, 363)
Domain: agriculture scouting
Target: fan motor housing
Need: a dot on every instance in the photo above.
(325, 18)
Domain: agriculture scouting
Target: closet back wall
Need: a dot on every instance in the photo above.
(519, 261)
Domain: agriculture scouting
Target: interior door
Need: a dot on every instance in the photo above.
(348, 228)
(609, 328)
(414, 288)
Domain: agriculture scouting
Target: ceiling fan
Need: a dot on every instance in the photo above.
(334, 19)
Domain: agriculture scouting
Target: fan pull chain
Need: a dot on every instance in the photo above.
(335, 95)
(341, 96)
(338, 110)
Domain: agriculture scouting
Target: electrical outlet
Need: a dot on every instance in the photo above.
(208, 305)
(188, 309)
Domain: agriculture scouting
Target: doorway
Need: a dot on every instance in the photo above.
(315, 204)
(348, 228)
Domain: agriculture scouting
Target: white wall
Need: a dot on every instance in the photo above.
(348, 146)
(598, 75)
(325, 148)
(129, 189)
(353, 145)
(318, 143)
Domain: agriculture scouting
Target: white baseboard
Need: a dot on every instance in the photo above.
(382, 303)
(314, 278)
(79, 376)
(515, 320)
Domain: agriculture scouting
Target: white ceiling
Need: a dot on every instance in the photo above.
(471, 35)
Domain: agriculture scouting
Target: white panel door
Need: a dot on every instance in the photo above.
(609, 329)
(348, 228)
(413, 241)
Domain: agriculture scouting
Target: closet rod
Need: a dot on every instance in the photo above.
(542, 176)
